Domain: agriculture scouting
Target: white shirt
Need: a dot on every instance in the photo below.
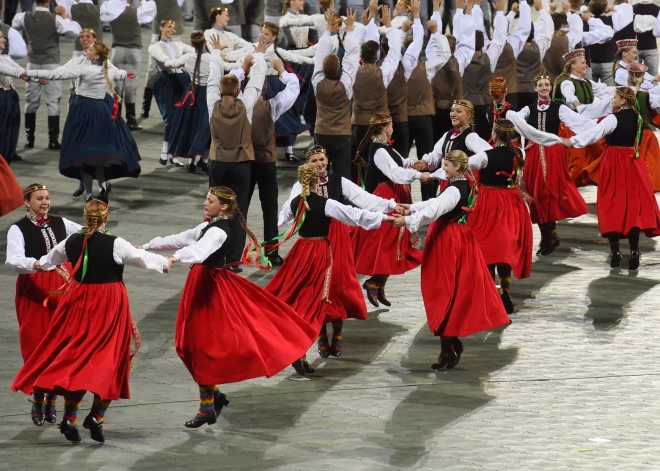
(472, 141)
(518, 39)
(230, 40)
(392, 171)
(68, 28)
(600, 90)
(438, 53)
(544, 29)
(574, 121)
(428, 211)
(464, 30)
(92, 83)
(111, 9)
(234, 59)
(188, 61)
(284, 100)
(17, 46)
(190, 248)
(164, 50)
(621, 78)
(351, 216)
(123, 253)
(299, 34)
(411, 57)
(8, 68)
(575, 30)
(598, 33)
(593, 135)
(623, 15)
(350, 62)
(391, 62)
(16, 248)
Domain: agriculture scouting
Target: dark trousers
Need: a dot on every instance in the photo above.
(441, 124)
(481, 125)
(526, 99)
(235, 175)
(421, 132)
(338, 149)
(264, 174)
(11, 8)
(401, 138)
(358, 133)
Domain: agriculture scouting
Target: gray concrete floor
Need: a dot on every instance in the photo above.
(571, 384)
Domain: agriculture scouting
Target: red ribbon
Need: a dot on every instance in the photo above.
(544, 102)
(390, 142)
(41, 221)
(130, 76)
(455, 131)
(115, 109)
(189, 94)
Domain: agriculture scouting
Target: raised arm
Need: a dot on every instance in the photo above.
(146, 12)
(440, 205)
(217, 70)
(65, 26)
(255, 84)
(438, 52)
(574, 34)
(391, 62)
(543, 31)
(364, 199)
(354, 216)
(411, 57)
(17, 46)
(285, 99)
(323, 50)
(518, 39)
(350, 63)
(598, 33)
(496, 46)
(465, 47)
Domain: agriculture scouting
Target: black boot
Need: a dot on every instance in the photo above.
(633, 261)
(220, 401)
(372, 292)
(30, 126)
(54, 133)
(95, 428)
(130, 118)
(615, 261)
(69, 430)
(146, 102)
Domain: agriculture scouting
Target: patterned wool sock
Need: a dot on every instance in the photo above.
(99, 406)
(71, 406)
(504, 272)
(323, 339)
(372, 283)
(206, 399)
(51, 404)
(38, 405)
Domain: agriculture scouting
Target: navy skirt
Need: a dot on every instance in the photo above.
(289, 125)
(168, 90)
(10, 123)
(92, 139)
(190, 134)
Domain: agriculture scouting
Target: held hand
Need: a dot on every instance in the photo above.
(247, 62)
(538, 5)
(138, 247)
(351, 16)
(515, 8)
(576, 103)
(43, 81)
(609, 9)
(61, 12)
(37, 266)
(406, 26)
(398, 221)
(567, 143)
(432, 26)
(414, 8)
(586, 16)
(420, 165)
(425, 177)
(278, 65)
(399, 209)
(386, 16)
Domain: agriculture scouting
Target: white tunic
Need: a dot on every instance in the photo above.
(164, 50)
(190, 248)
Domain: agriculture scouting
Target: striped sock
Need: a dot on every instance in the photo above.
(38, 405)
(99, 406)
(206, 396)
(71, 406)
(51, 404)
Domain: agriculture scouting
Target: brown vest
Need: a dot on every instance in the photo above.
(420, 93)
(231, 133)
(397, 96)
(475, 80)
(529, 66)
(333, 109)
(506, 67)
(263, 132)
(447, 85)
(553, 62)
(369, 94)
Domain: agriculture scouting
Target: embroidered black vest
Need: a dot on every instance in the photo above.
(547, 120)
(41, 240)
(464, 187)
(316, 223)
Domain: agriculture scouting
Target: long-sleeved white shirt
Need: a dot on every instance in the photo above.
(351, 216)
(575, 30)
(411, 56)
(92, 83)
(234, 59)
(350, 62)
(8, 68)
(434, 158)
(621, 78)
(574, 121)
(464, 30)
(518, 39)
(285, 99)
(600, 90)
(17, 46)
(392, 171)
(67, 27)
(230, 40)
(16, 248)
(189, 246)
(111, 9)
(432, 209)
(123, 253)
(593, 135)
(391, 62)
(299, 33)
(165, 50)
(544, 29)
(188, 61)
(623, 15)
(598, 33)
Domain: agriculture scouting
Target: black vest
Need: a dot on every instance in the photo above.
(458, 143)
(464, 187)
(547, 120)
(332, 189)
(604, 53)
(217, 258)
(646, 40)
(626, 129)
(500, 160)
(41, 240)
(316, 223)
(101, 265)
(374, 176)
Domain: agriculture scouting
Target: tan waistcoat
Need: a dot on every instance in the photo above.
(263, 132)
(231, 133)
(507, 68)
(447, 85)
(397, 96)
(420, 93)
(553, 62)
(369, 94)
(333, 109)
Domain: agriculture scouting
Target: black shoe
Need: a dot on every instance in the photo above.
(203, 166)
(95, 428)
(104, 195)
(323, 346)
(38, 420)
(219, 402)
(70, 431)
(372, 294)
(50, 414)
(54, 133)
(615, 262)
(235, 269)
(146, 102)
(299, 366)
(444, 360)
(335, 346)
(381, 297)
(192, 168)
(276, 260)
(633, 262)
(307, 367)
(16, 158)
(546, 248)
(458, 349)
(291, 157)
(30, 126)
(200, 420)
(162, 161)
(506, 301)
(79, 191)
(130, 118)
(177, 163)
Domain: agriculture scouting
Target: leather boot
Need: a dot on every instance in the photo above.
(130, 118)
(30, 126)
(146, 102)
(54, 133)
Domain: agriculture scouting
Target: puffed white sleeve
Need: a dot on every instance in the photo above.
(323, 50)
(478, 161)
(518, 39)
(575, 31)
(440, 205)
(146, 12)
(350, 63)
(568, 91)
(285, 99)
(598, 33)
(17, 46)
(476, 143)
(623, 15)
(217, 70)
(577, 122)
(465, 45)
(656, 26)
(364, 199)
(71, 227)
(438, 54)
(200, 250)
(590, 136)
(496, 46)
(411, 56)
(124, 253)
(391, 62)
(391, 170)
(57, 256)
(18, 22)
(255, 84)
(16, 252)
(175, 241)
(67, 27)
(286, 215)
(530, 132)
(111, 9)
(543, 31)
(602, 90)
(67, 4)
(354, 216)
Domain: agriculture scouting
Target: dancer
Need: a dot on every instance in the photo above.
(568, 33)
(27, 241)
(467, 301)
(171, 83)
(15, 47)
(87, 15)
(305, 280)
(387, 251)
(627, 54)
(10, 111)
(249, 333)
(626, 204)
(97, 142)
(73, 362)
(220, 22)
(546, 175)
(621, 22)
(348, 301)
(500, 105)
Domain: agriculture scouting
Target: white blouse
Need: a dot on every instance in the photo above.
(621, 78)
(187, 61)
(425, 212)
(92, 83)
(111, 9)
(230, 40)
(163, 50)
(190, 248)
(600, 90)
(234, 59)
(8, 68)
(392, 171)
(434, 159)
(593, 135)
(351, 216)
(574, 121)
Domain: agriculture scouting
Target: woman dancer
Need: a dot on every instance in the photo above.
(171, 83)
(386, 251)
(348, 302)
(230, 41)
(467, 301)
(27, 241)
(626, 204)
(305, 279)
(546, 175)
(627, 54)
(249, 333)
(72, 362)
(500, 106)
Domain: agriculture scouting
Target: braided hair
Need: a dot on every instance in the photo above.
(565, 75)
(617, 57)
(275, 31)
(506, 134)
(199, 43)
(374, 130)
(95, 215)
(307, 174)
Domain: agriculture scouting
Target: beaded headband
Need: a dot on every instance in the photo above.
(224, 196)
(88, 30)
(384, 120)
(497, 82)
(624, 93)
(502, 128)
(168, 22)
(33, 188)
(626, 43)
(316, 150)
(96, 213)
(464, 103)
(573, 55)
(541, 77)
(636, 70)
(213, 10)
(457, 156)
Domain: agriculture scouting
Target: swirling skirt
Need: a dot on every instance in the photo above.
(190, 133)
(10, 122)
(11, 193)
(168, 90)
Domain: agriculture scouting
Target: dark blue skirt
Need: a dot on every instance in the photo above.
(10, 123)
(168, 90)
(190, 134)
(289, 125)
(92, 139)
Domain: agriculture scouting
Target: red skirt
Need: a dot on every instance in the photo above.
(387, 250)
(547, 180)
(578, 160)
(33, 317)
(345, 293)
(625, 197)
(90, 347)
(228, 329)
(11, 193)
(459, 294)
(304, 281)
(503, 228)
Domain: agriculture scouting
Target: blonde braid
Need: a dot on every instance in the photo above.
(565, 73)
(306, 173)
(95, 214)
(116, 97)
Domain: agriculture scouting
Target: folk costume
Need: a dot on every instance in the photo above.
(10, 111)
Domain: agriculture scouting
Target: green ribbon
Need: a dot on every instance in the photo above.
(640, 125)
(472, 199)
(85, 255)
(289, 232)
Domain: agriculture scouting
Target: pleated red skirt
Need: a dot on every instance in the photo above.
(228, 329)
(345, 292)
(547, 180)
(625, 197)
(304, 281)
(387, 250)
(90, 345)
(11, 193)
(33, 317)
(503, 229)
(578, 160)
(459, 294)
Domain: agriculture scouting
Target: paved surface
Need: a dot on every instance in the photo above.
(571, 384)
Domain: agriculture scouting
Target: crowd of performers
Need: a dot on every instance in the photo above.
(517, 129)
